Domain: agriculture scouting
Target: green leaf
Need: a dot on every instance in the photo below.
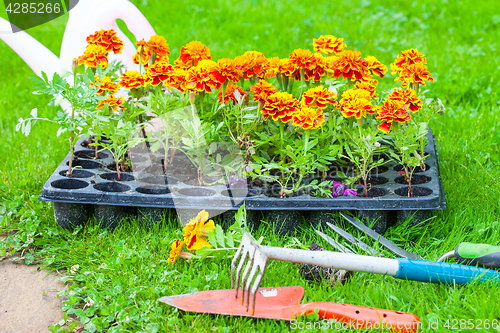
(219, 234)
(28, 258)
(230, 240)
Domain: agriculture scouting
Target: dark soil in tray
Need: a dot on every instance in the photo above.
(372, 192)
(112, 187)
(153, 189)
(399, 168)
(90, 154)
(126, 168)
(415, 179)
(240, 193)
(85, 164)
(157, 179)
(206, 181)
(69, 184)
(77, 173)
(197, 192)
(124, 177)
(418, 191)
(373, 180)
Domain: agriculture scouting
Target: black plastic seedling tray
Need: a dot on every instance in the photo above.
(94, 184)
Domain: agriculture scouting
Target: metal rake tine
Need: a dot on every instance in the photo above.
(244, 280)
(248, 249)
(233, 264)
(260, 261)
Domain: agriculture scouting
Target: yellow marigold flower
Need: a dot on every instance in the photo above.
(192, 53)
(200, 78)
(355, 103)
(160, 72)
(319, 97)
(280, 106)
(408, 97)
(376, 66)
(415, 73)
(112, 102)
(368, 86)
(317, 70)
(178, 78)
(405, 58)
(328, 44)
(106, 39)
(104, 85)
(132, 80)
(285, 67)
(196, 230)
(226, 70)
(350, 65)
(308, 118)
(272, 67)
(301, 59)
(94, 55)
(252, 63)
(175, 250)
(392, 110)
(262, 90)
(229, 94)
(159, 45)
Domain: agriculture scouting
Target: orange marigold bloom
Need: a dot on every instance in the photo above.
(317, 70)
(175, 250)
(178, 78)
(229, 94)
(408, 97)
(225, 70)
(368, 86)
(407, 57)
(159, 45)
(262, 90)
(355, 102)
(328, 44)
(415, 73)
(104, 85)
(106, 39)
(350, 65)
(192, 53)
(392, 110)
(280, 105)
(142, 46)
(196, 230)
(285, 67)
(308, 118)
(94, 55)
(272, 67)
(200, 78)
(160, 72)
(319, 97)
(113, 103)
(302, 59)
(376, 66)
(252, 63)
(132, 80)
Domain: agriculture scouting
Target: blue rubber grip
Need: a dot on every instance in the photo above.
(441, 272)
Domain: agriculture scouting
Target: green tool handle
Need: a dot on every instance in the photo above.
(483, 255)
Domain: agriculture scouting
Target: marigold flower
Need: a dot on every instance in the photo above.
(392, 110)
(178, 78)
(405, 58)
(132, 80)
(192, 53)
(143, 49)
(175, 250)
(317, 70)
(328, 44)
(415, 73)
(159, 45)
(229, 94)
(319, 97)
(280, 105)
(113, 103)
(262, 90)
(368, 87)
(160, 72)
(408, 97)
(356, 102)
(226, 70)
(94, 55)
(351, 66)
(252, 63)
(104, 85)
(308, 118)
(376, 66)
(106, 39)
(200, 78)
(196, 230)
(302, 59)
(285, 67)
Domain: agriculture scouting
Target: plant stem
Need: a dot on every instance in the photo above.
(306, 140)
(282, 130)
(71, 151)
(302, 71)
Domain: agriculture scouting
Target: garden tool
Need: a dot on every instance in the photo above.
(283, 303)
(400, 268)
(484, 255)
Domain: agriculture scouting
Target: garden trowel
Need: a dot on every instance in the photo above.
(282, 303)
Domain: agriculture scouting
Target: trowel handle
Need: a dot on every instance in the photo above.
(478, 254)
(441, 272)
(359, 317)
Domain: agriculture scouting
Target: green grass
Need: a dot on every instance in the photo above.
(460, 41)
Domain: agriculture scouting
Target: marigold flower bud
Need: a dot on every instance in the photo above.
(74, 65)
(192, 97)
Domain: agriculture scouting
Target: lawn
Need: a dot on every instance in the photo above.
(125, 272)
